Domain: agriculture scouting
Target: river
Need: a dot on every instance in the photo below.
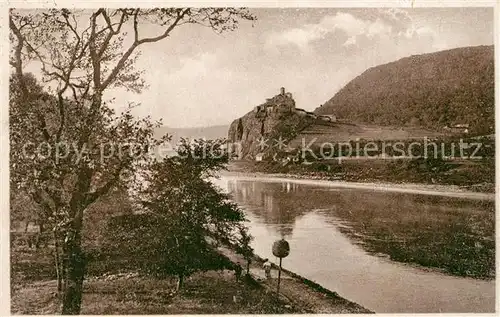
(344, 238)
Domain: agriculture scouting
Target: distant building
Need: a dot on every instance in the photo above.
(488, 136)
(333, 118)
(325, 118)
(282, 103)
(458, 128)
(300, 112)
(311, 115)
(285, 107)
(259, 157)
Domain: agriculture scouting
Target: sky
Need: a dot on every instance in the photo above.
(197, 77)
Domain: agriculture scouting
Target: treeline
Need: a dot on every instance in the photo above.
(437, 161)
(454, 147)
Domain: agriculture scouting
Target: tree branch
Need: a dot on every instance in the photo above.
(136, 31)
(93, 196)
(180, 16)
(44, 205)
(18, 65)
(73, 29)
(96, 65)
(43, 125)
(124, 58)
(111, 31)
(67, 77)
(62, 113)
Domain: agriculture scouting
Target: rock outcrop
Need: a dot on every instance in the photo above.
(259, 130)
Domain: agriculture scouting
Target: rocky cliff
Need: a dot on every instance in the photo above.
(275, 118)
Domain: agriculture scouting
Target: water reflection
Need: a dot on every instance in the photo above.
(333, 234)
(273, 205)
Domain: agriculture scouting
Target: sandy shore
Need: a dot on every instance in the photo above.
(421, 189)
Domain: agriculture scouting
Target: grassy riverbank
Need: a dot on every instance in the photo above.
(456, 242)
(123, 291)
(203, 293)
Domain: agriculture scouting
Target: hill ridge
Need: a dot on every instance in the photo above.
(429, 90)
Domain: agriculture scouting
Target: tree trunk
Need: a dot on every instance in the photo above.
(180, 282)
(38, 238)
(74, 268)
(27, 237)
(74, 273)
(58, 265)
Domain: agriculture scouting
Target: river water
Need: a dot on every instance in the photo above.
(325, 227)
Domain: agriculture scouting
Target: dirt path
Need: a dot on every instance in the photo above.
(296, 292)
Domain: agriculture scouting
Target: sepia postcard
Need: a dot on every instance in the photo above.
(249, 158)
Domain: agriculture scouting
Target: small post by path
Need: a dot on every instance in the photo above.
(281, 249)
(279, 279)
